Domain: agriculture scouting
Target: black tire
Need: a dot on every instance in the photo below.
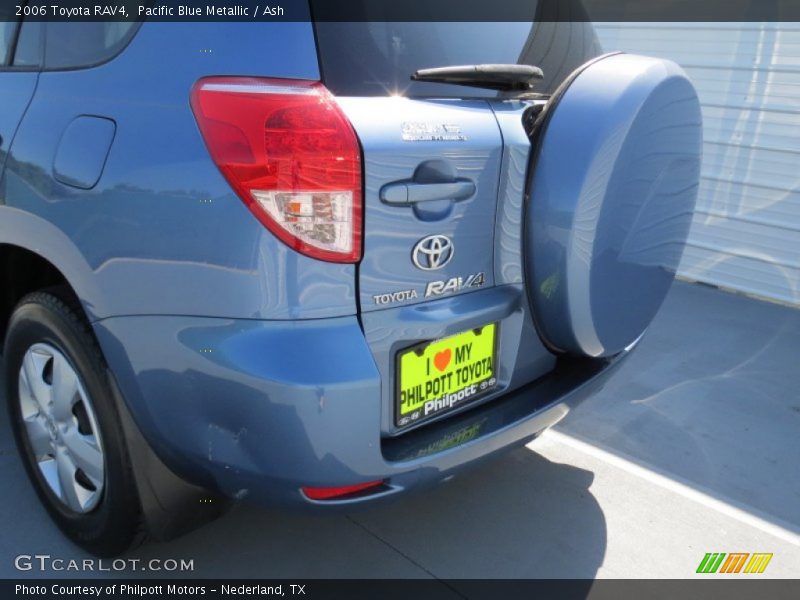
(115, 522)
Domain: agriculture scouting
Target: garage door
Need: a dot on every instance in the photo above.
(746, 231)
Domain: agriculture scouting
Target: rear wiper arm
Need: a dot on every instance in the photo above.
(494, 77)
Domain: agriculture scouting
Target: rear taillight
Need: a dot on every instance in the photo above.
(291, 155)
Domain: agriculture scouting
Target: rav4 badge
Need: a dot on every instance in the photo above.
(434, 288)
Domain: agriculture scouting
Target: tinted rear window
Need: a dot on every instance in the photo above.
(377, 58)
(79, 44)
(8, 29)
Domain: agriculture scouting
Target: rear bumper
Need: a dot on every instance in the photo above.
(257, 410)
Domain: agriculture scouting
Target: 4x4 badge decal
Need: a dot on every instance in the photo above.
(421, 131)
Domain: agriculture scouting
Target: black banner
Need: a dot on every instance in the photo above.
(401, 10)
(727, 589)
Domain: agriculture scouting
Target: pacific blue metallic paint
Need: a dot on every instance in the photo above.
(611, 200)
(392, 230)
(508, 230)
(247, 368)
(17, 92)
(83, 150)
(162, 232)
(257, 409)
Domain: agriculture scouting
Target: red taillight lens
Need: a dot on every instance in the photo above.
(290, 153)
(331, 493)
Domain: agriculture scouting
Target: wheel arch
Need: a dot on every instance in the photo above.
(35, 254)
(170, 505)
(23, 271)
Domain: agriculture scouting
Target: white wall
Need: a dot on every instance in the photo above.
(746, 231)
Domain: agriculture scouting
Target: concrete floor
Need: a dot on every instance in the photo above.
(693, 447)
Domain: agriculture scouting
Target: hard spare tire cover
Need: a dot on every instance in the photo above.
(613, 186)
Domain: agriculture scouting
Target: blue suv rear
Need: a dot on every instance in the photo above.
(259, 261)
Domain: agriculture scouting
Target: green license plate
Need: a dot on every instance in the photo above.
(436, 377)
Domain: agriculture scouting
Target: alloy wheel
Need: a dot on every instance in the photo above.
(61, 428)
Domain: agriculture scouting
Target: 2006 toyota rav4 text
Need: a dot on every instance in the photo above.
(319, 264)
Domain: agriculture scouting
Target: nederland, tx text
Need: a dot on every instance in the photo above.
(137, 590)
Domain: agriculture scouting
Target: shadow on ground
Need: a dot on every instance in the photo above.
(710, 397)
(518, 516)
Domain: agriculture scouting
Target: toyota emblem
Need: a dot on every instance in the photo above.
(432, 252)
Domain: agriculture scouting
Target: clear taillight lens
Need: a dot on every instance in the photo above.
(291, 155)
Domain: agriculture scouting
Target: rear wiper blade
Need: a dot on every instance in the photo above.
(494, 77)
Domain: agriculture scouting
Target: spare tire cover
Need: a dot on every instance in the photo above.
(612, 191)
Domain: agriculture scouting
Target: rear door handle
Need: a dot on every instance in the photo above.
(410, 192)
